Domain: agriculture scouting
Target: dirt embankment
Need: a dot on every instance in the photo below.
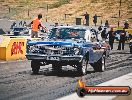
(57, 9)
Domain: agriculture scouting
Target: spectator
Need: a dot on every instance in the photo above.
(111, 35)
(104, 35)
(56, 24)
(87, 18)
(24, 23)
(20, 24)
(126, 25)
(122, 39)
(95, 19)
(107, 23)
(99, 28)
(12, 26)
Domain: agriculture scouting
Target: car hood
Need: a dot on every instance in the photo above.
(58, 42)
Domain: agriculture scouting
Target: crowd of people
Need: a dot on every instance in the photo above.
(36, 24)
(110, 35)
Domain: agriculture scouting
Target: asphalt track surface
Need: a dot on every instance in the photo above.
(18, 83)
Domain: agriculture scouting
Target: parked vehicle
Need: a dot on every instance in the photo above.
(18, 31)
(117, 36)
(67, 45)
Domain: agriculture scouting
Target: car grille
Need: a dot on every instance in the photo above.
(53, 50)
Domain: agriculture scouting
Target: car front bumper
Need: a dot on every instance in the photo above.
(54, 57)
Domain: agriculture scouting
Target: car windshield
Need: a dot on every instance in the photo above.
(67, 33)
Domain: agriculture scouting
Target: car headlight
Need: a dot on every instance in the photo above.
(33, 49)
(76, 50)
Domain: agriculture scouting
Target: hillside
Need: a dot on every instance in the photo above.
(28, 9)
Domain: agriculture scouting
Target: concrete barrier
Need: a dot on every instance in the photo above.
(12, 48)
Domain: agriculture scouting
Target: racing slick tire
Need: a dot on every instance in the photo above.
(35, 65)
(99, 66)
(82, 67)
(56, 67)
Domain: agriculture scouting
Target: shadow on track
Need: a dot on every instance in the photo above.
(62, 73)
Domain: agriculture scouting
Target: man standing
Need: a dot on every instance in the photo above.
(126, 25)
(104, 34)
(111, 38)
(107, 23)
(87, 18)
(36, 24)
(122, 39)
(95, 19)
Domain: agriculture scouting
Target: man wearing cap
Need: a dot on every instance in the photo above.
(36, 24)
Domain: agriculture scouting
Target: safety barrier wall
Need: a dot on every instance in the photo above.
(12, 48)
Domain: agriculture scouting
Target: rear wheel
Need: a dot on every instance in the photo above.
(35, 65)
(99, 66)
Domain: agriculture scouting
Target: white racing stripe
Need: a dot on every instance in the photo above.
(125, 80)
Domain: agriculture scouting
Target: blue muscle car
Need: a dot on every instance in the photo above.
(67, 45)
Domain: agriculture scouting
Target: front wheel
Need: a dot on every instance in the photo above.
(35, 65)
(99, 66)
(82, 67)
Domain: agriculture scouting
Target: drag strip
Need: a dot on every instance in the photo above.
(18, 83)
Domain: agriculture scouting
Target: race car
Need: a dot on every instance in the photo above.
(67, 45)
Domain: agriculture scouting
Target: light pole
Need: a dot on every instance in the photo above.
(47, 8)
(119, 14)
(47, 12)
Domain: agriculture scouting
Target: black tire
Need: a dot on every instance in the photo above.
(82, 67)
(56, 67)
(99, 66)
(131, 50)
(35, 65)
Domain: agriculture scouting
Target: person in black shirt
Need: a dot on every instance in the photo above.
(122, 39)
(126, 25)
(104, 34)
(107, 23)
(111, 37)
(95, 19)
(87, 18)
